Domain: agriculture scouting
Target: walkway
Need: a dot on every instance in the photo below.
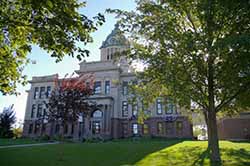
(28, 145)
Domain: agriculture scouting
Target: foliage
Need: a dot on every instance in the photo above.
(17, 132)
(68, 101)
(199, 50)
(54, 25)
(7, 119)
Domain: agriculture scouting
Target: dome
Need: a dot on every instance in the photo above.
(115, 38)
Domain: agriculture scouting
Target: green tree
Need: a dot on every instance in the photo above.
(7, 119)
(199, 50)
(53, 25)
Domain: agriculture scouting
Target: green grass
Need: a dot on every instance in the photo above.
(121, 153)
(18, 141)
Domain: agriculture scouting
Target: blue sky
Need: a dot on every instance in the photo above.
(45, 65)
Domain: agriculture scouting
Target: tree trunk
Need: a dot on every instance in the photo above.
(213, 138)
(87, 133)
(205, 112)
(213, 143)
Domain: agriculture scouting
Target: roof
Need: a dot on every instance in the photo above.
(115, 38)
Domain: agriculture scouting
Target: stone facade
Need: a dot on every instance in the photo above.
(116, 118)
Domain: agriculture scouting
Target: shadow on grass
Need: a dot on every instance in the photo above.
(184, 155)
(242, 156)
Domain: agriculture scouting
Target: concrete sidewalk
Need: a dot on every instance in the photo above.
(28, 145)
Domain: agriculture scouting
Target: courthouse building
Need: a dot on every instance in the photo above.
(117, 117)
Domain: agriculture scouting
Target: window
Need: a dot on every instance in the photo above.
(145, 129)
(97, 114)
(42, 93)
(43, 128)
(57, 129)
(107, 87)
(96, 127)
(108, 51)
(135, 128)
(72, 129)
(159, 106)
(107, 57)
(160, 128)
(125, 108)
(30, 128)
(170, 107)
(169, 128)
(36, 93)
(65, 129)
(97, 87)
(125, 88)
(111, 52)
(135, 109)
(37, 127)
(33, 110)
(48, 93)
(179, 126)
(39, 110)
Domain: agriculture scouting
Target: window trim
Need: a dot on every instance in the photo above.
(42, 93)
(100, 86)
(137, 128)
(159, 103)
(125, 88)
(160, 130)
(33, 111)
(97, 116)
(36, 93)
(48, 91)
(94, 129)
(39, 108)
(125, 105)
(135, 111)
(107, 86)
(31, 127)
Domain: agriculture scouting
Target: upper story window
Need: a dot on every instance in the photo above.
(48, 93)
(42, 93)
(33, 111)
(36, 93)
(39, 110)
(97, 114)
(135, 109)
(124, 108)
(107, 87)
(171, 108)
(159, 109)
(135, 128)
(125, 88)
(97, 87)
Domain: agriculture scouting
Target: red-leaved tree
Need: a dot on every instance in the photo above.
(68, 101)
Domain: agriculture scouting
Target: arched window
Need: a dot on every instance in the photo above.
(97, 114)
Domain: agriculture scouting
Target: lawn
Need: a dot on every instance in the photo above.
(125, 153)
(18, 141)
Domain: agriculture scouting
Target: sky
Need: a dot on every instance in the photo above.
(45, 65)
